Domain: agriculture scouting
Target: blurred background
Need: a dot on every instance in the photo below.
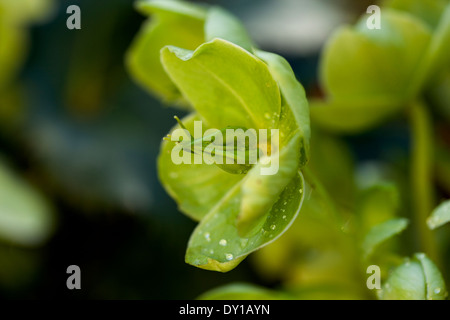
(79, 141)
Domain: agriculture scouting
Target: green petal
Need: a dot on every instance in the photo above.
(428, 10)
(195, 187)
(440, 215)
(216, 244)
(25, 11)
(12, 50)
(295, 110)
(226, 85)
(221, 24)
(260, 191)
(172, 23)
(25, 216)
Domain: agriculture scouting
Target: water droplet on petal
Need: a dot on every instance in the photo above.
(207, 236)
(284, 217)
(223, 242)
(267, 115)
(273, 227)
(228, 256)
(437, 290)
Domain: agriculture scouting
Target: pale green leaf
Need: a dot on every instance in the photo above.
(382, 232)
(21, 12)
(13, 46)
(216, 243)
(26, 217)
(172, 7)
(226, 85)
(440, 215)
(172, 23)
(221, 24)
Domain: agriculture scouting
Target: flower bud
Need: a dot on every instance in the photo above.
(416, 279)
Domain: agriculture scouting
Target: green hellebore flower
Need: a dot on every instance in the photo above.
(227, 83)
(370, 75)
(415, 279)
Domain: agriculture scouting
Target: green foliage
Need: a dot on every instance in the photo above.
(440, 215)
(26, 218)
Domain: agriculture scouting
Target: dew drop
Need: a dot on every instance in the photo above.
(223, 242)
(273, 227)
(211, 251)
(228, 256)
(208, 237)
(267, 115)
(285, 203)
(284, 217)
(437, 290)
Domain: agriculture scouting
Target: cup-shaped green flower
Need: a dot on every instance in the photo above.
(368, 75)
(228, 83)
(415, 279)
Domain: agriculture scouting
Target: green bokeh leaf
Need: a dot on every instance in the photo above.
(21, 12)
(440, 215)
(350, 116)
(216, 244)
(25, 216)
(173, 23)
(380, 233)
(227, 85)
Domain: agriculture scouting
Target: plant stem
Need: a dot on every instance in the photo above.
(422, 155)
